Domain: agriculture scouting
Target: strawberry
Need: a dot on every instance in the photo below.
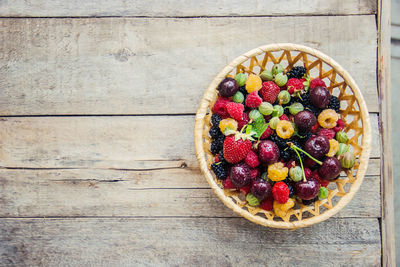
(236, 147)
(235, 110)
(294, 85)
(317, 82)
(269, 91)
(253, 100)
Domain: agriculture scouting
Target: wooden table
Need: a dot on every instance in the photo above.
(97, 104)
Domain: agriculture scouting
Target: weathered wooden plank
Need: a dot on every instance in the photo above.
(100, 8)
(168, 192)
(385, 123)
(395, 11)
(186, 241)
(157, 65)
(137, 142)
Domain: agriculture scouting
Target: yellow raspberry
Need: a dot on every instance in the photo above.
(231, 123)
(328, 118)
(282, 209)
(253, 83)
(333, 148)
(284, 129)
(277, 172)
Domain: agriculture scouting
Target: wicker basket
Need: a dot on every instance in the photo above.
(353, 111)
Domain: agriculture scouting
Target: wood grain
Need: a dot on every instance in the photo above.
(115, 65)
(186, 241)
(128, 142)
(169, 192)
(385, 123)
(103, 8)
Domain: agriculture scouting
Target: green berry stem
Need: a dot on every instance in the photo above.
(294, 147)
(299, 96)
(301, 162)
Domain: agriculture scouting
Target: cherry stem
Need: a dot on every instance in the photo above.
(308, 155)
(301, 162)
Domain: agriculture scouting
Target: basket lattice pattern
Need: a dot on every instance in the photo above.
(353, 111)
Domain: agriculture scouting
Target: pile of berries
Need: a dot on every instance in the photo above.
(278, 138)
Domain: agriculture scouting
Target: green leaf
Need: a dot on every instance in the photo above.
(259, 128)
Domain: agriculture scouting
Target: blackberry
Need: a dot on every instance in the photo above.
(215, 119)
(285, 154)
(286, 111)
(243, 90)
(215, 132)
(221, 157)
(334, 104)
(290, 185)
(220, 170)
(296, 72)
(305, 99)
(294, 154)
(217, 144)
(305, 136)
(291, 189)
(309, 202)
(280, 142)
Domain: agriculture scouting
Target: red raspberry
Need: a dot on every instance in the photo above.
(314, 128)
(284, 117)
(294, 85)
(322, 182)
(267, 204)
(309, 162)
(227, 184)
(253, 100)
(308, 173)
(252, 159)
(235, 110)
(220, 107)
(328, 133)
(245, 189)
(216, 159)
(243, 121)
(266, 134)
(317, 82)
(339, 125)
(281, 192)
(269, 91)
(254, 173)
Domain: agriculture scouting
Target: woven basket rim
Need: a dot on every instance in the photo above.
(366, 136)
